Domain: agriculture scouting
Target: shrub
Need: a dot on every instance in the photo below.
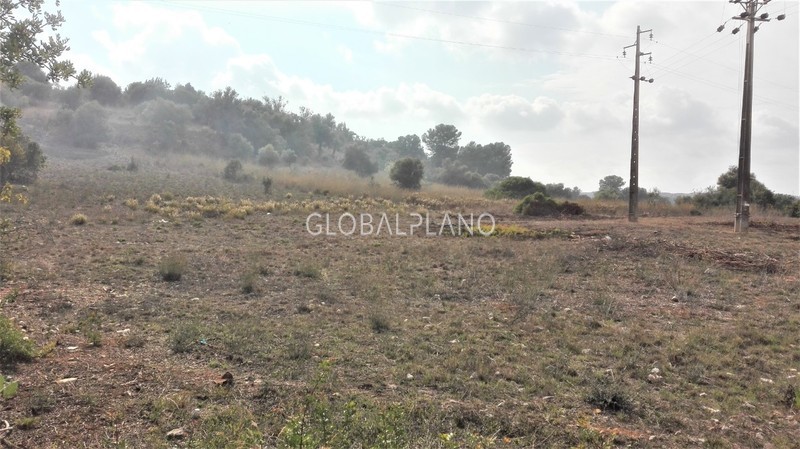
(183, 338)
(267, 184)
(455, 174)
(357, 160)
(516, 187)
(172, 267)
(609, 395)
(379, 322)
(289, 157)
(407, 173)
(13, 345)
(234, 172)
(90, 126)
(268, 156)
(78, 219)
(540, 205)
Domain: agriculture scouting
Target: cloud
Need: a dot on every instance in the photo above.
(148, 41)
(515, 112)
(345, 53)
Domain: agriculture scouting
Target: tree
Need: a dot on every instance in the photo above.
(610, 188)
(408, 146)
(167, 123)
(22, 24)
(516, 187)
(323, 130)
(138, 92)
(457, 174)
(407, 173)
(90, 125)
(442, 143)
(724, 194)
(494, 158)
(357, 160)
(105, 91)
(560, 191)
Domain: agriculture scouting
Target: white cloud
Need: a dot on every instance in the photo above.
(345, 52)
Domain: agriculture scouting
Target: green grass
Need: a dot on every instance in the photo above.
(14, 346)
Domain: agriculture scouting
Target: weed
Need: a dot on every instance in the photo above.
(379, 322)
(78, 219)
(184, 338)
(232, 426)
(133, 341)
(41, 403)
(27, 423)
(172, 267)
(131, 203)
(249, 283)
(267, 184)
(14, 346)
(299, 346)
(611, 395)
(307, 271)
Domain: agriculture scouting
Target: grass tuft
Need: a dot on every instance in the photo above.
(172, 267)
(78, 219)
(13, 345)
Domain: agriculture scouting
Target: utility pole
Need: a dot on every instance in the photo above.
(749, 15)
(633, 201)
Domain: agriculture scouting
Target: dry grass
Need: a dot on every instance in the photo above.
(673, 332)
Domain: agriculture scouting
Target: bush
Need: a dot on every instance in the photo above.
(105, 91)
(289, 157)
(90, 126)
(234, 172)
(516, 187)
(13, 346)
(459, 175)
(540, 205)
(171, 268)
(184, 337)
(357, 160)
(267, 184)
(78, 219)
(407, 173)
(268, 156)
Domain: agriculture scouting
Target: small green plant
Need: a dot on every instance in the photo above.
(307, 271)
(78, 219)
(14, 347)
(26, 423)
(172, 267)
(184, 337)
(9, 389)
(249, 283)
(610, 395)
(379, 322)
(91, 326)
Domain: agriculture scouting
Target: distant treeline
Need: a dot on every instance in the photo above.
(160, 118)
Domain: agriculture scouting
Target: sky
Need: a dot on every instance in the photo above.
(546, 77)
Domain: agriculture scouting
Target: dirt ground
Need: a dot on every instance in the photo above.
(595, 332)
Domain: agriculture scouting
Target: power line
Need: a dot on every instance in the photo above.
(724, 66)
(508, 22)
(722, 86)
(388, 33)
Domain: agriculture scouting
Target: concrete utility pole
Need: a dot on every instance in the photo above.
(751, 7)
(633, 203)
